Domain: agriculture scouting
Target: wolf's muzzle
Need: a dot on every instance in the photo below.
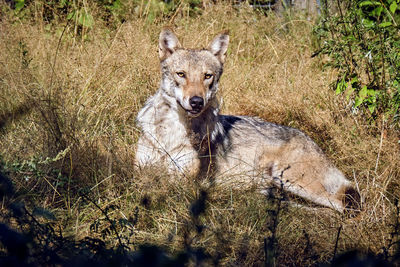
(197, 103)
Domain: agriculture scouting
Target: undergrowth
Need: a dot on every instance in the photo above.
(73, 75)
(363, 43)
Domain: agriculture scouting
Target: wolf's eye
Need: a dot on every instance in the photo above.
(207, 76)
(181, 74)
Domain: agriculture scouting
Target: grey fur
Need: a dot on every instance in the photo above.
(234, 150)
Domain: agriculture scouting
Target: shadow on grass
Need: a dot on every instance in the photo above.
(25, 240)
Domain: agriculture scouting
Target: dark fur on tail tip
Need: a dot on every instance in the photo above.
(352, 199)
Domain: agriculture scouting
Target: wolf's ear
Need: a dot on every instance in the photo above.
(168, 43)
(219, 45)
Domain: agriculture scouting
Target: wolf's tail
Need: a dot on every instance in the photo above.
(351, 199)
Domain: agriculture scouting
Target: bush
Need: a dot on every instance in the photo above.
(362, 40)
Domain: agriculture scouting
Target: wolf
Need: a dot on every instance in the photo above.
(182, 129)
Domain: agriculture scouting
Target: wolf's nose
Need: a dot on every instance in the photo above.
(196, 102)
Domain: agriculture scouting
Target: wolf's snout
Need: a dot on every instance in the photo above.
(196, 102)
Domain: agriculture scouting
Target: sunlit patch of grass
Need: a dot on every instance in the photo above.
(81, 96)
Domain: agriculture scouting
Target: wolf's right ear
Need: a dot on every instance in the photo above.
(168, 43)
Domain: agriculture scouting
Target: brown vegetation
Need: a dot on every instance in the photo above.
(67, 110)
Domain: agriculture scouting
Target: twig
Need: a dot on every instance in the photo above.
(56, 55)
(270, 242)
(337, 242)
(380, 144)
(269, 41)
(107, 218)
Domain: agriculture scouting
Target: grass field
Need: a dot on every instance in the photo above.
(69, 95)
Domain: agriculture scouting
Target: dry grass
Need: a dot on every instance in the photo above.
(80, 97)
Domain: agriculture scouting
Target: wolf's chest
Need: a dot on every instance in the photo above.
(171, 132)
(165, 140)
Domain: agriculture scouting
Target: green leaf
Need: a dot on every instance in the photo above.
(363, 92)
(372, 107)
(86, 19)
(396, 84)
(367, 3)
(377, 11)
(385, 24)
(354, 80)
(71, 15)
(62, 3)
(393, 7)
(349, 92)
(368, 23)
(341, 86)
(372, 93)
(357, 102)
(19, 4)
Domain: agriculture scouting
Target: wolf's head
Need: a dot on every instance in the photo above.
(191, 75)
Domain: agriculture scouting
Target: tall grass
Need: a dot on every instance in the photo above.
(68, 134)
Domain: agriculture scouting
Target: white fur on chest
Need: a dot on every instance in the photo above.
(164, 137)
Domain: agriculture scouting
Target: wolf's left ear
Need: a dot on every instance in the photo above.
(168, 43)
(219, 45)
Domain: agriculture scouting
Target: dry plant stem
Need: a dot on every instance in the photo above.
(380, 143)
(107, 217)
(172, 20)
(269, 41)
(349, 63)
(270, 243)
(337, 242)
(56, 56)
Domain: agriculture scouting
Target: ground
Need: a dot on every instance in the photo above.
(69, 97)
